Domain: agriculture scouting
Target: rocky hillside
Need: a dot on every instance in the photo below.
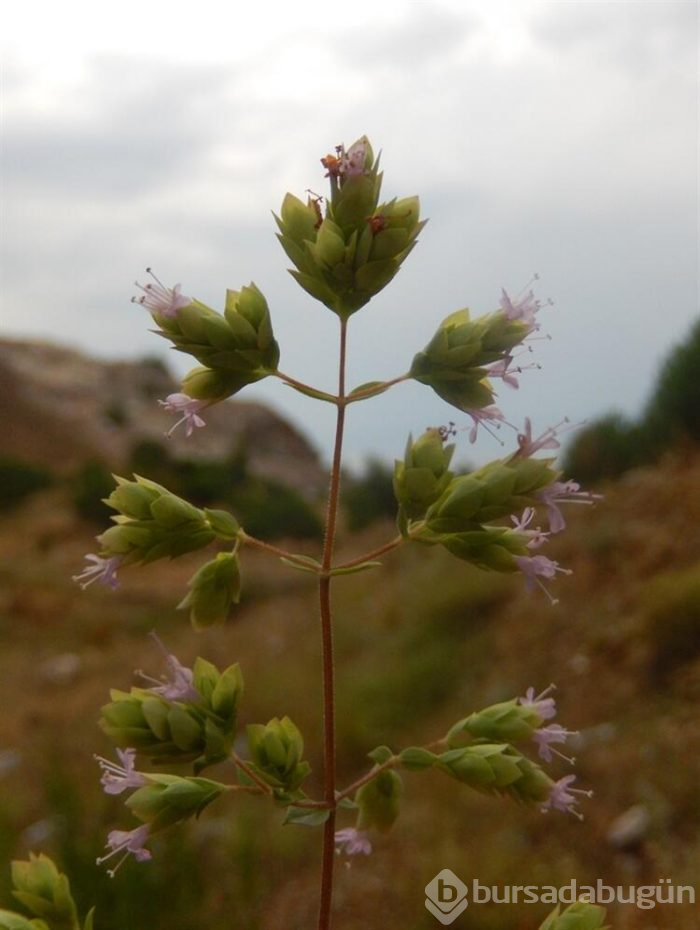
(59, 408)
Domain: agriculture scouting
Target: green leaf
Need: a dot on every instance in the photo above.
(311, 565)
(353, 569)
(417, 759)
(380, 755)
(306, 816)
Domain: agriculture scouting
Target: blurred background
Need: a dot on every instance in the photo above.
(558, 138)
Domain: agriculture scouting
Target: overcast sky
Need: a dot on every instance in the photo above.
(551, 137)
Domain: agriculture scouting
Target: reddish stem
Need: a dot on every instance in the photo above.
(324, 588)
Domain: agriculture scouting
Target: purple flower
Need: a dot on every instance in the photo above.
(102, 570)
(117, 778)
(536, 536)
(159, 299)
(129, 842)
(544, 706)
(177, 684)
(545, 736)
(523, 308)
(188, 407)
(352, 842)
(483, 418)
(563, 492)
(539, 565)
(562, 797)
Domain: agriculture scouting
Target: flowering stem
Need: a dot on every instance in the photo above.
(324, 589)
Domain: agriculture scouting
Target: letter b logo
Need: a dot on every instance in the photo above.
(446, 896)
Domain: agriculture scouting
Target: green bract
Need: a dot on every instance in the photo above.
(153, 523)
(578, 916)
(497, 768)
(240, 342)
(454, 361)
(378, 801)
(276, 749)
(169, 799)
(213, 589)
(45, 892)
(179, 731)
(423, 476)
(505, 722)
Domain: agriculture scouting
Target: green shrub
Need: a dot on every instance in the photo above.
(674, 409)
(370, 496)
(19, 480)
(672, 620)
(92, 482)
(266, 508)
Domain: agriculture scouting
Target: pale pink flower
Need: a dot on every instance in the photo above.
(520, 524)
(563, 492)
(483, 418)
(177, 684)
(103, 570)
(352, 842)
(129, 842)
(117, 778)
(523, 308)
(159, 299)
(190, 410)
(563, 798)
(547, 440)
(502, 369)
(542, 704)
(539, 565)
(553, 733)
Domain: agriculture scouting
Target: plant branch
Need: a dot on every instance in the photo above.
(381, 550)
(249, 773)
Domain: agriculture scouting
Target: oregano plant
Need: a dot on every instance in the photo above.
(345, 248)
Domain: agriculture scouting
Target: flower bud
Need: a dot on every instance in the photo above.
(213, 589)
(44, 891)
(169, 799)
(276, 749)
(422, 476)
(153, 523)
(378, 801)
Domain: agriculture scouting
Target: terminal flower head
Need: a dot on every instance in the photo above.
(117, 778)
(157, 298)
(130, 842)
(189, 407)
(102, 570)
(563, 798)
(542, 704)
(352, 842)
